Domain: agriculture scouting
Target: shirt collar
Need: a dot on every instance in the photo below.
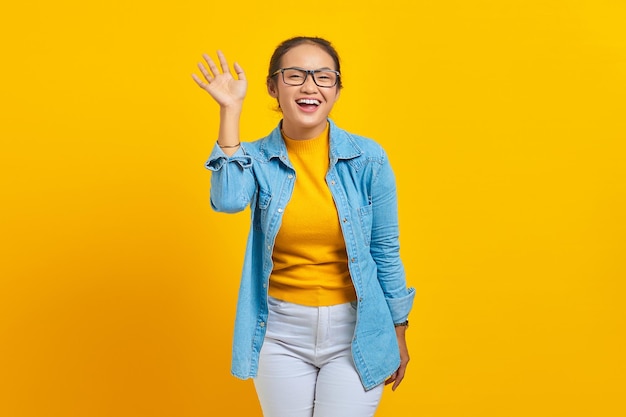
(342, 145)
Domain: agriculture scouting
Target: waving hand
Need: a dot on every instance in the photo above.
(222, 86)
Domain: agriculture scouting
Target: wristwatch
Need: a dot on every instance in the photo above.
(404, 323)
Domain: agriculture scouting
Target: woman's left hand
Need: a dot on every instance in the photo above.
(398, 376)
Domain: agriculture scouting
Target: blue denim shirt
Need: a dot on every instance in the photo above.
(363, 187)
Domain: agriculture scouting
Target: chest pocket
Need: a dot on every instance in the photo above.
(365, 218)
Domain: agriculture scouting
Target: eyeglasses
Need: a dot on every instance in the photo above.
(297, 76)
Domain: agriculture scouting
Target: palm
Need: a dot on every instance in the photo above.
(225, 89)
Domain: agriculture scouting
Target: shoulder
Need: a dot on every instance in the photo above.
(266, 147)
(361, 146)
(369, 146)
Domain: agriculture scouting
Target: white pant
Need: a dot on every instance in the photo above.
(306, 367)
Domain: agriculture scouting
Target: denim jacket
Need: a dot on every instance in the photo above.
(363, 187)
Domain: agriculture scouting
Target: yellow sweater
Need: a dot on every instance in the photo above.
(310, 261)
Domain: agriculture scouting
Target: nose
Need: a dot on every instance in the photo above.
(309, 84)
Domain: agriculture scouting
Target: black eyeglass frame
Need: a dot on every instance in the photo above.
(307, 72)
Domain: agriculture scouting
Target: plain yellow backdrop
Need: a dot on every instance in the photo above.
(505, 123)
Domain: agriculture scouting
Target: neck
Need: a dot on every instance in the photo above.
(302, 133)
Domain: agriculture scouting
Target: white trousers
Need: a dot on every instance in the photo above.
(306, 367)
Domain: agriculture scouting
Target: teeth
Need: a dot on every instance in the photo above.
(308, 101)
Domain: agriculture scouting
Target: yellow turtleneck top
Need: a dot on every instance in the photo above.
(310, 261)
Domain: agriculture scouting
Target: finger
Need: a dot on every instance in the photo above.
(198, 81)
(240, 74)
(391, 379)
(223, 62)
(215, 72)
(207, 75)
(201, 84)
(399, 378)
(396, 383)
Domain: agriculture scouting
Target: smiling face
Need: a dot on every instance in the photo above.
(305, 107)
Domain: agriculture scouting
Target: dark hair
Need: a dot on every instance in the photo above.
(285, 46)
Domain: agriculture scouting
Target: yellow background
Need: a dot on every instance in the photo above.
(504, 121)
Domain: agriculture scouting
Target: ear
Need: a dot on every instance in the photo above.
(271, 89)
(337, 95)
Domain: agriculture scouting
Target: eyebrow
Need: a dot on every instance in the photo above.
(316, 69)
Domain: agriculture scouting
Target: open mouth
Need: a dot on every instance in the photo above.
(308, 103)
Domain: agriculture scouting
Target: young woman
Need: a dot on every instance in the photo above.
(323, 304)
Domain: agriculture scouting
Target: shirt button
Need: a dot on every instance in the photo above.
(290, 176)
(352, 259)
(264, 285)
(280, 210)
(345, 220)
(332, 182)
(269, 247)
(262, 324)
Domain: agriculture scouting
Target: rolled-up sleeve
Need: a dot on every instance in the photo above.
(232, 179)
(401, 307)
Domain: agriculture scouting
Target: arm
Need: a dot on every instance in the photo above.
(229, 93)
(385, 250)
(232, 183)
(385, 243)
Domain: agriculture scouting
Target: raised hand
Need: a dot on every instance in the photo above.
(222, 86)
